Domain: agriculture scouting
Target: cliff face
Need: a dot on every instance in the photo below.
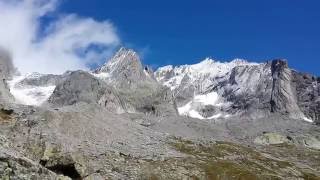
(307, 89)
(284, 96)
(296, 94)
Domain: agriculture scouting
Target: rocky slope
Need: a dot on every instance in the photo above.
(122, 121)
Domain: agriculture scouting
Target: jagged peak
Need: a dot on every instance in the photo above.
(124, 54)
(125, 69)
(122, 57)
(237, 61)
(282, 62)
(123, 51)
(277, 65)
(240, 61)
(209, 64)
(166, 68)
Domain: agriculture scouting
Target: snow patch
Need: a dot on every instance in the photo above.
(307, 119)
(184, 110)
(29, 95)
(195, 114)
(190, 109)
(207, 99)
(101, 75)
(215, 116)
(146, 73)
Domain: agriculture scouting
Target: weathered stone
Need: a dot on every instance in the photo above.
(271, 139)
(312, 142)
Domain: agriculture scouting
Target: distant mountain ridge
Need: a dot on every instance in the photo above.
(254, 89)
(207, 90)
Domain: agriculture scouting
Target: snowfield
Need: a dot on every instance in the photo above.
(190, 109)
(35, 95)
(205, 70)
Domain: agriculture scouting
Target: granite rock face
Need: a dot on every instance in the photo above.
(283, 97)
(249, 89)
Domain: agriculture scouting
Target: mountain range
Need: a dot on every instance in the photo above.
(211, 120)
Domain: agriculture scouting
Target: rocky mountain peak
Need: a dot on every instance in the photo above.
(123, 51)
(123, 57)
(125, 69)
(278, 65)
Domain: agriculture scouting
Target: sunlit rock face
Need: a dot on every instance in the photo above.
(241, 88)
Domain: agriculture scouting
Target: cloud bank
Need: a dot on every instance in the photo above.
(68, 42)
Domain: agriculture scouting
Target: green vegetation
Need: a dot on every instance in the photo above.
(225, 160)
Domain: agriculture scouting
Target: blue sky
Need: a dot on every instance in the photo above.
(184, 32)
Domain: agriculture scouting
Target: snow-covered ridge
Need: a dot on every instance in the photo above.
(172, 76)
(199, 90)
(198, 79)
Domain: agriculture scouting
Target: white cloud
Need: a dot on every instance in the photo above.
(64, 44)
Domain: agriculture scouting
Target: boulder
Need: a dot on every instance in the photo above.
(271, 139)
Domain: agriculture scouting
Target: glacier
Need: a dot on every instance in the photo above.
(29, 95)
